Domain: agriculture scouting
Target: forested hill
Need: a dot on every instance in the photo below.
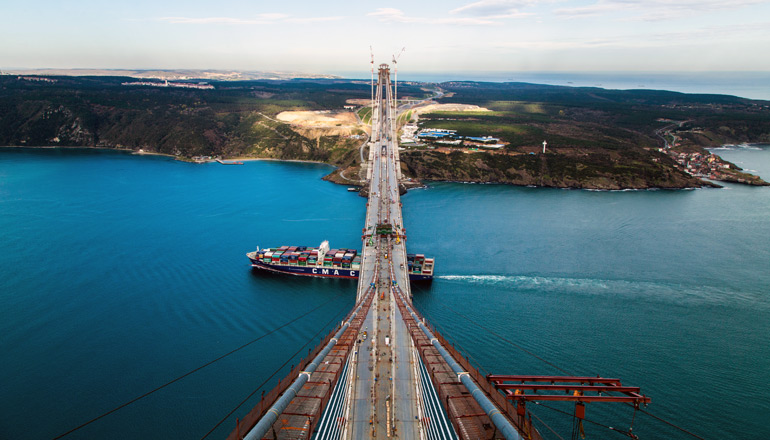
(597, 138)
(233, 119)
(610, 139)
(719, 118)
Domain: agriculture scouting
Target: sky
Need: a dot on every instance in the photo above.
(439, 36)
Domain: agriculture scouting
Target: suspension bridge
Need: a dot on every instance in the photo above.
(385, 372)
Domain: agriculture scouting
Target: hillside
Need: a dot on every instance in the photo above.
(235, 119)
(600, 170)
(596, 138)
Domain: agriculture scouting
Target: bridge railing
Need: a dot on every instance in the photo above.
(250, 420)
(522, 423)
(267, 400)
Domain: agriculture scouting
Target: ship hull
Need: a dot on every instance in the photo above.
(322, 272)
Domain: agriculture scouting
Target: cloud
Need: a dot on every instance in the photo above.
(707, 35)
(261, 19)
(654, 9)
(497, 8)
(313, 19)
(393, 15)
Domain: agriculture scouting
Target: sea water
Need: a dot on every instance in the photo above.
(120, 273)
(746, 84)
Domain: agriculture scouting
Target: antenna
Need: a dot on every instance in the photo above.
(395, 63)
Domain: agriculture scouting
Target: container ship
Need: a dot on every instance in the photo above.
(330, 263)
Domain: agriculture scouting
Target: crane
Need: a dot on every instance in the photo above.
(371, 53)
(395, 64)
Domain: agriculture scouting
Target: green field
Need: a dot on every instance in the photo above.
(366, 115)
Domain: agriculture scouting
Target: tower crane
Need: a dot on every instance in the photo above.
(371, 53)
(395, 93)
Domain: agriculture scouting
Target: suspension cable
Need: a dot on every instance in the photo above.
(503, 338)
(546, 425)
(311, 339)
(671, 424)
(123, 405)
(492, 332)
(462, 350)
(619, 431)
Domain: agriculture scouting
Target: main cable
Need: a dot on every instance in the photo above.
(194, 370)
(567, 373)
(271, 376)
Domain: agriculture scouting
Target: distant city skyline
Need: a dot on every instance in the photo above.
(450, 36)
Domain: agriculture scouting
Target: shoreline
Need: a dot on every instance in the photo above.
(418, 183)
(272, 159)
(80, 147)
(153, 153)
(575, 188)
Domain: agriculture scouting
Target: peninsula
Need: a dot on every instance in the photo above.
(596, 138)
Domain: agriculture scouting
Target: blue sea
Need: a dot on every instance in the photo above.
(119, 273)
(746, 84)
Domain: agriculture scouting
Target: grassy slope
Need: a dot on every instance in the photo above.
(596, 138)
(235, 119)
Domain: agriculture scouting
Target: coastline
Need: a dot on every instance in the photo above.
(81, 147)
(272, 159)
(152, 153)
(335, 177)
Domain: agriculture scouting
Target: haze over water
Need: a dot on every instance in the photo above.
(119, 273)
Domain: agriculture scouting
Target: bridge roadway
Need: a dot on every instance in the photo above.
(384, 387)
(383, 374)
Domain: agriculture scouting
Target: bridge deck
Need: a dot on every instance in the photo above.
(384, 385)
(383, 378)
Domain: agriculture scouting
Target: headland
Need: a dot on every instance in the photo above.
(594, 138)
